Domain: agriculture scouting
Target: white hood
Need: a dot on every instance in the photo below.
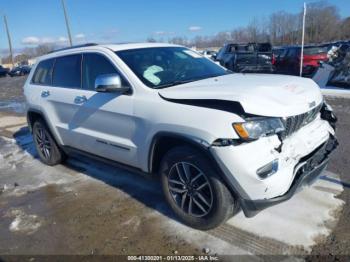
(259, 94)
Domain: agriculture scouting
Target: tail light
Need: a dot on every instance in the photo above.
(273, 60)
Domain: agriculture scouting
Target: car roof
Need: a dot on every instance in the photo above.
(127, 46)
(113, 47)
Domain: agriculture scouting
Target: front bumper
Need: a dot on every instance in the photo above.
(239, 164)
(307, 171)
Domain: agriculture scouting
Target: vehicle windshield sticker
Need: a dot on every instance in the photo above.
(192, 54)
(180, 55)
(150, 72)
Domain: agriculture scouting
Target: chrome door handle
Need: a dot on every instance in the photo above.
(80, 99)
(45, 93)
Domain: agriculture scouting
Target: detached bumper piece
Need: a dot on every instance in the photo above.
(329, 116)
(308, 170)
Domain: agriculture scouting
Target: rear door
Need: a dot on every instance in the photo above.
(59, 98)
(289, 62)
(40, 89)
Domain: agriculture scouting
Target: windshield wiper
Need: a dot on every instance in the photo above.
(175, 83)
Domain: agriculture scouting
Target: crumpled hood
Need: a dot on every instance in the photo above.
(259, 94)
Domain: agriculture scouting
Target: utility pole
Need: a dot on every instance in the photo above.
(67, 23)
(302, 42)
(9, 40)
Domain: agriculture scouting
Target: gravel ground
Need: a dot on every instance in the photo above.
(336, 245)
(338, 242)
(11, 88)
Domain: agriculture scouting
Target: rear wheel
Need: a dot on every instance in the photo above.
(194, 190)
(46, 146)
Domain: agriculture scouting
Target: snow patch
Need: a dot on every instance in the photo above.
(300, 220)
(335, 92)
(12, 120)
(23, 223)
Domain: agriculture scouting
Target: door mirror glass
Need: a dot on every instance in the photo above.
(110, 83)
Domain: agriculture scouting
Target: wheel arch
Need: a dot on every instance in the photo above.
(32, 116)
(170, 140)
(35, 114)
(164, 141)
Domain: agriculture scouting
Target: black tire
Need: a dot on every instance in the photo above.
(224, 205)
(48, 151)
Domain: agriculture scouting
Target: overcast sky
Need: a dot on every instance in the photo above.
(41, 21)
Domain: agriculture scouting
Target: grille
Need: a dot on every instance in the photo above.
(294, 123)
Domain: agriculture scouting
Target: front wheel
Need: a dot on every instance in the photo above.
(194, 190)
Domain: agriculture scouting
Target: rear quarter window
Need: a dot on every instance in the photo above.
(43, 72)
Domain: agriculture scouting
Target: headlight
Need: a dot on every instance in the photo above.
(253, 129)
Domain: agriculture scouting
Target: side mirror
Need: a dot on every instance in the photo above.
(110, 83)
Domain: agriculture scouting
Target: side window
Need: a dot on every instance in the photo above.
(67, 71)
(283, 53)
(291, 52)
(93, 66)
(220, 53)
(43, 72)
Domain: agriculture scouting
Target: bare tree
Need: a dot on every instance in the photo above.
(322, 23)
(178, 40)
(151, 40)
(345, 29)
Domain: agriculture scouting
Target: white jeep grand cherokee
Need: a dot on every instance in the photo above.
(219, 141)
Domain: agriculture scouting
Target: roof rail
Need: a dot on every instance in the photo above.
(72, 47)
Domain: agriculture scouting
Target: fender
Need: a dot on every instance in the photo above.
(229, 180)
(48, 123)
(164, 134)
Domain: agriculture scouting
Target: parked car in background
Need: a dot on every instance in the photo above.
(288, 60)
(3, 71)
(248, 58)
(336, 71)
(278, 50)
(19, 71)
(313, 55)
(208, 54)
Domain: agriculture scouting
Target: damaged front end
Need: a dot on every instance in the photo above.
(270, 169)
(306, 173)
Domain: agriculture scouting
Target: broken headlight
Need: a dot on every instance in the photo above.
(253, 129)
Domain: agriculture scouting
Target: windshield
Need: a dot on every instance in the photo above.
(167, 66)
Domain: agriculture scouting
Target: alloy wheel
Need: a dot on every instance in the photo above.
(190, 189)
(43, 142)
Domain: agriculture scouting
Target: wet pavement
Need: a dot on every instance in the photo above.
(88, 207)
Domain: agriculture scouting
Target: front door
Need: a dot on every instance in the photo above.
(103, 123)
